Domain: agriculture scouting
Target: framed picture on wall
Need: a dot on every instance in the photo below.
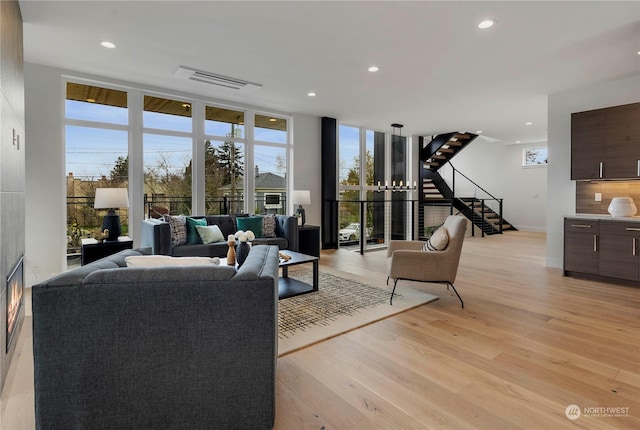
(534, 157)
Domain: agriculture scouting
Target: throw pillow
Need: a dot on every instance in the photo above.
(210, 233)
(253, 223)
(165, 260)
(178, 225)
(193, 238)
(438, 241)
(269, 226)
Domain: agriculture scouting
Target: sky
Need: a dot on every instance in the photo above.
(92, 152)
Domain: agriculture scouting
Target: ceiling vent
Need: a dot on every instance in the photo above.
(217, 80)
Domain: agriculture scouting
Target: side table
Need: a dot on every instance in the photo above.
(93, 250)
(309, 240)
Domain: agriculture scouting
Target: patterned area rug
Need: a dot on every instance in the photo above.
(341, 304)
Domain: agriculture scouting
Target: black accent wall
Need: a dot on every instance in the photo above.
(398, 173)
(329, 180)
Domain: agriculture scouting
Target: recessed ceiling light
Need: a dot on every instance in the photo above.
(373, 68)
(638, 52)
(528, 123)
(311, 94)
(108, 44)
(479, 131)
(485, 24)
(517, 141)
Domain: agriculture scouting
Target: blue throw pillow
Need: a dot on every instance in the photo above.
(193, 238)
(253, 223)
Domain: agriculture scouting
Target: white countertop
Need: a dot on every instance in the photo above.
(605, 217)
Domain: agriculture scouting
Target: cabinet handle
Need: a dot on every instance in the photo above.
(633, 251)
(581, 225)
(595, 243)
(633, 229)
(601, 169)
(638, 168)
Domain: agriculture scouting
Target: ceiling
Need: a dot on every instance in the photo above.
(438, 71)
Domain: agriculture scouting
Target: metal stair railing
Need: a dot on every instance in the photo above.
(484, 225)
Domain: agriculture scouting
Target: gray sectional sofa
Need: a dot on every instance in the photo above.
(119, 347)
(156, 234)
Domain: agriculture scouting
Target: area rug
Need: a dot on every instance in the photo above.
(341, 304)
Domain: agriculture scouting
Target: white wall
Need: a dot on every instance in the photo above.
(562, 195)
(497, 168)
(45, 167)
(306, 162)
(45, 185)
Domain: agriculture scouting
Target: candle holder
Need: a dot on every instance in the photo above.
(393, 188)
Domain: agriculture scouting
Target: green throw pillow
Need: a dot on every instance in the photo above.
(253, 223)
(193, 238)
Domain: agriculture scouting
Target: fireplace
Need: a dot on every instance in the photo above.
(15, 299)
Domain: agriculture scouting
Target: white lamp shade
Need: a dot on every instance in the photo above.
(111, 198)
(301, 197)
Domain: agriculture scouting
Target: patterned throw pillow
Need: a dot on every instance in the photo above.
(438, 241)
(178, 226)
(269, 226)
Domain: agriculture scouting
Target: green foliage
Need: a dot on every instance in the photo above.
(120, 171)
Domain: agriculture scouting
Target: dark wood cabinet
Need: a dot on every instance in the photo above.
(606, 248)
(619, 250)
(581, 246)
(622, 144)
(587, 144)
(605, 143)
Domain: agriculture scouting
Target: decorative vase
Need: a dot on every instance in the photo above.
(242, 250)
(622, 206)
(231, 253)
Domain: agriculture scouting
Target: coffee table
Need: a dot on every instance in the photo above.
(289, 287)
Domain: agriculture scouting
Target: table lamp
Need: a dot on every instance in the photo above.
(301, 197)
(112, 199)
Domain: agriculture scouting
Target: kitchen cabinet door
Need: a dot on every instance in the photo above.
(622, 142)
(587, 144)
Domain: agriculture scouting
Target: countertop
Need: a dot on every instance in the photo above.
(604, 217)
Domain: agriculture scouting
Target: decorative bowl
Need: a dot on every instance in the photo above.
(622, 206)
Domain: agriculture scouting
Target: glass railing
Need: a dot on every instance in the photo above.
(383, 220)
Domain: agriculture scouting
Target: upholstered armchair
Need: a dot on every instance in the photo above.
(407, 260)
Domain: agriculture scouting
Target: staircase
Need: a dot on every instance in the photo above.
(435, 190)
(443, 148)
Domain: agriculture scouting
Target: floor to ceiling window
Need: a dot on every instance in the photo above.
(185, 154)
(270, 164)
(96, 141)
(167, 143)
(225, 138)
(361, 211)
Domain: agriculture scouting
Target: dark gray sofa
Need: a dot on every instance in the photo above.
(156, 234)
(157, 348)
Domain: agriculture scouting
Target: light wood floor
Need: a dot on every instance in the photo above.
(528, 344)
